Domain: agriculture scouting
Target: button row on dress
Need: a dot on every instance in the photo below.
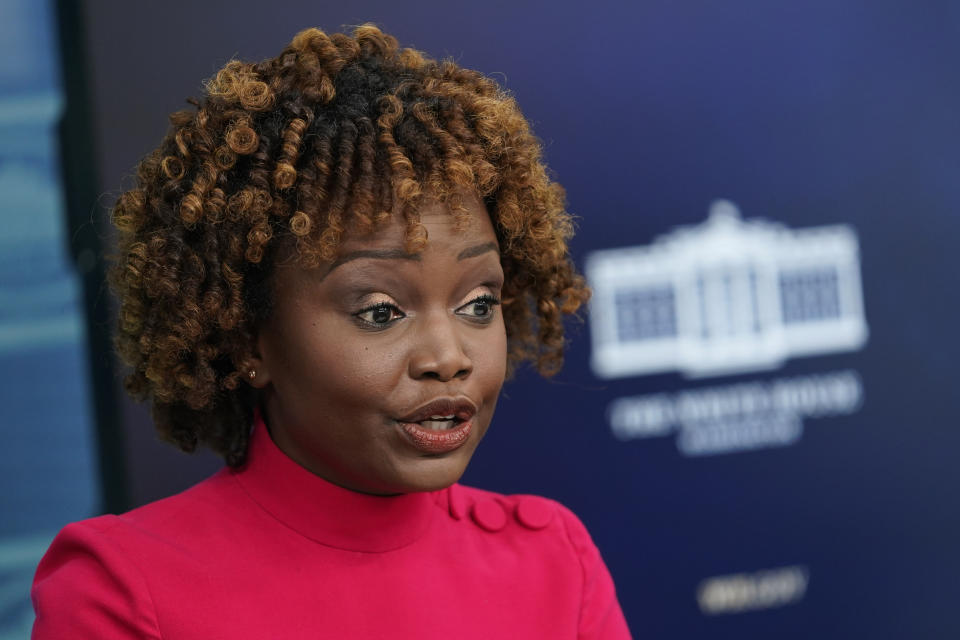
(533, 514)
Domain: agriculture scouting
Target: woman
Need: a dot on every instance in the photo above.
(326, 271)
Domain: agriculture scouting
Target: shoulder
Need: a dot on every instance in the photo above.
(86, 584)
(212, 496)
(556, 550)
(96, 573)
(209, 509)
(499, 512)
(116, 532)
(522, 535)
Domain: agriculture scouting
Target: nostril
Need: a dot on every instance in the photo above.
(433, 374)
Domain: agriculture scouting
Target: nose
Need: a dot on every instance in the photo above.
(439, 352)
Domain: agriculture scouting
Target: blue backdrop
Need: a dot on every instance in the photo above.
(47, 461)
(757, 421)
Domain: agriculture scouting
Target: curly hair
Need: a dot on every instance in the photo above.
(336, 134)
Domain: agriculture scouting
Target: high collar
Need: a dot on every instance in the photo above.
(324, 512)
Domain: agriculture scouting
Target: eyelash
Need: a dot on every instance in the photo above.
(491, 300)
(380, 306)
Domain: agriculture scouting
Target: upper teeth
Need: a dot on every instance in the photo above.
(450, 417)
(437, 425)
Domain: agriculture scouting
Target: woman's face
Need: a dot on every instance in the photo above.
(381, 372)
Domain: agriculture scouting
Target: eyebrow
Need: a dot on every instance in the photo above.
(381, 254)
(471, 252)
(400, 254)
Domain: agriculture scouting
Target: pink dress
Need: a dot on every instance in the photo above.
(272, 551)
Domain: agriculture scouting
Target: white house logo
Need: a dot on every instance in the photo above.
(726, 297)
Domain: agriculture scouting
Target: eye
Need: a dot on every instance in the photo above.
(379, 315)
(480, 308)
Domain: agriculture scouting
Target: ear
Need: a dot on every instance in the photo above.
(257, 371)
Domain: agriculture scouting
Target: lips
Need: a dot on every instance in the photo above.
(440, 426)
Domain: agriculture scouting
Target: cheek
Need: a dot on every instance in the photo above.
(366, 367)
(491, 355)
(319, 360)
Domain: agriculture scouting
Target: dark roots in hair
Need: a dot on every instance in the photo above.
(336, 134)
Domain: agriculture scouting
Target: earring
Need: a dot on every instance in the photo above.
(252, 374)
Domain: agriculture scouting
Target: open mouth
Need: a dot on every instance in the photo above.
(440, 423)
(439, 426)
(442, 413)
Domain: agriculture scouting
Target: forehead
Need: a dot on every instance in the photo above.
(445, 229)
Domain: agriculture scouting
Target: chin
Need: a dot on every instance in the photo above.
(432, 473)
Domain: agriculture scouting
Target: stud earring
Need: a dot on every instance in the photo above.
(252, 374)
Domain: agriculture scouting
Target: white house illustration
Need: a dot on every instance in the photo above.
(724, 297)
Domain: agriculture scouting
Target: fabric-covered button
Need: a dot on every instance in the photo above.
(489, 515)
(455, 502)
(534, 514)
